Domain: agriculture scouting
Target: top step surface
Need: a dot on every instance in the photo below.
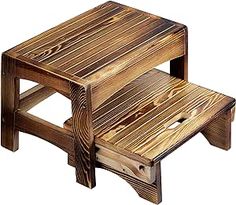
(106, 47)
(95, 39)
(136, 121)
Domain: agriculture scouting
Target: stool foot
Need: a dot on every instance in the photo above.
(218, 132)
(10, 102)
(150, 192)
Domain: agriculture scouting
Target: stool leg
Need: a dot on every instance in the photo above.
(150, 192)
(218, 132)
(179, 66)
(84, 145)
(10, 102)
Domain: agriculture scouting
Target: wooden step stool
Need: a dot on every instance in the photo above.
(124, 112)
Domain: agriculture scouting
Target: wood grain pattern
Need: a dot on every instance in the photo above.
(61, 138)
(121, 164)
(33, 125)
(123, 110)
(135, 65)
(135, 122)
(151, 192)
(83, 135)
(33, 96)
(10, 102)
(179, 66)
(107, 47)
(218, 132)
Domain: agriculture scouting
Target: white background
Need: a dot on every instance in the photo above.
(196, 173)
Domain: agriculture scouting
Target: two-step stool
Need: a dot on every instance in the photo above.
(123, 110)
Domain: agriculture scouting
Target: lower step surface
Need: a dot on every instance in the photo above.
(153, 115)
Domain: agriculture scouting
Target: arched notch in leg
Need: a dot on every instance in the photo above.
(218, 132)
(150, 192)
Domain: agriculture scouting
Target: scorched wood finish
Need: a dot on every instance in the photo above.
(123, 110)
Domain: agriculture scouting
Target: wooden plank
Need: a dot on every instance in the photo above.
(10, 102)
(125, 165)
(102, 35)
(59, 30)
(61, 42)
(33, 96)
(58, 136)
(122, 164)
(141, 63)
(137, 124)
(187, 129)
(157, 115)
(45, 75)
(179, 66)
(148, 33)
(102, 47)
(83, 135)
(126, 105)
(116, 47)
(218, 132)
(97, 47)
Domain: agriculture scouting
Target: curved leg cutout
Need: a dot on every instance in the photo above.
(218, 132)
(150, 192)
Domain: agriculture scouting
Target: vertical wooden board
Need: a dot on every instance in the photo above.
(9, 104)
(83, 134)
(179, 66)
(218, 132)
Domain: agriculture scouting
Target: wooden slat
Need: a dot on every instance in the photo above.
(58, 136)
(150, 31)
(45, 75)
(102, 35)
(61, 42)
(186, 130)
(59, 30)
(150, 118)
(33, 96)
(98, 50)
(137, 125)
(106, 47)
(139, 63)
(116, 47)
(127, 105)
